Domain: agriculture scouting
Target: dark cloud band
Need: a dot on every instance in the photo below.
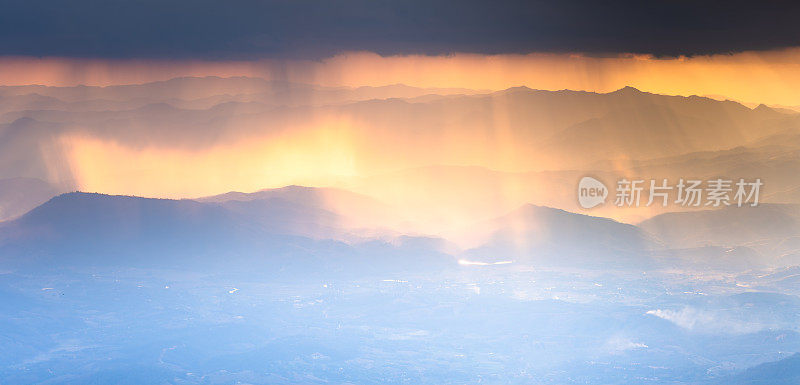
(242, 29)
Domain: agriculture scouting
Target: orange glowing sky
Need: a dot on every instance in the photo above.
(770, 77)
(331, 153)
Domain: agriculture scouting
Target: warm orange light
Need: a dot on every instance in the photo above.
(770, 77)
(338, 149)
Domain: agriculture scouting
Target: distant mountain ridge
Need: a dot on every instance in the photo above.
(782, 372)
(96, 228)
(548, 236)
(193, 88)
(87, 229)
(346, 211)
(563, 129)
(19, 195)
(772, 230)
(299, 222)
(726, 226)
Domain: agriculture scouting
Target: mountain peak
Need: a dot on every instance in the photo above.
(24, 121)
(764, 108)
(627, 90)
(517, 89)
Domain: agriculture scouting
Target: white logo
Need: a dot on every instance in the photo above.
(591, 192)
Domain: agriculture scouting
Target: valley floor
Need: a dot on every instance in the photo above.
(473, 324)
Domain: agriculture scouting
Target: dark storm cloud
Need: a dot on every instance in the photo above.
(310, 28)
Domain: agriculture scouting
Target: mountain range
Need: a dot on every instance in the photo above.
(288, 225)
(516, 130)
(484, 175)
(84, 229)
